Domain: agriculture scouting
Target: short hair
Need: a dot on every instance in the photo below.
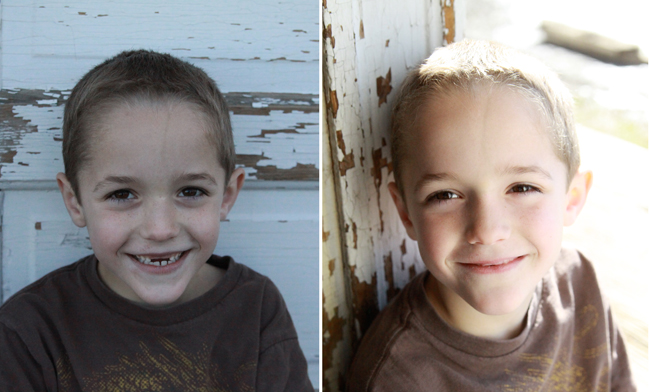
(469, 64)
(142, 76)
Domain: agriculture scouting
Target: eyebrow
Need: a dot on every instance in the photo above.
(197, 177)
(435, 177)
(126, 180)
(527, 169)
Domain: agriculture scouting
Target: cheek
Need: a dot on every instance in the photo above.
(438, 234)
(204, 224)
(544, 222)
(108, 231)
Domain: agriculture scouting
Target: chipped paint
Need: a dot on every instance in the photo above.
(384, 88)
(391, 291)
(327, 34)
(365, 304)
(299, 172)
(286, 125)
(347, 162)
(336, 309)
(359, 72)
(449, 20)
(333, 103)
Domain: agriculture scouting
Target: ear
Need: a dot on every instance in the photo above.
(70, 199)
(231, 192)
(577, 196)
(400, 203)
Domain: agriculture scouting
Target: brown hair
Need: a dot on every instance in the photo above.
(135, 76)
(467, 64)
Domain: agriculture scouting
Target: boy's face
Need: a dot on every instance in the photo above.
(152, 196)
(485, 196)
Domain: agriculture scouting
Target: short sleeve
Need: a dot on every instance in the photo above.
(282, 365)
(19, 371)
(621, 375)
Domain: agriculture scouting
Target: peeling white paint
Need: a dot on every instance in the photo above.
(272, 45)
(283, 150)
(412, 30)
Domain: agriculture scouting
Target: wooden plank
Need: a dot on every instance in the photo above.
(249, 45)
(338, 324)
(369, 47)
(274, 232)
(276, 134)
(593, 44)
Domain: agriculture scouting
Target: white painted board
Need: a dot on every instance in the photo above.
(251, 45)
(276, 135)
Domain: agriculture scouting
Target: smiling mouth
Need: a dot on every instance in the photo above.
(493, 266)
(159, 261)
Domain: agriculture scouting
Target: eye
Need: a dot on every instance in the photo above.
(192, 193)
(523, 188)
(121, 195)
(442, 196)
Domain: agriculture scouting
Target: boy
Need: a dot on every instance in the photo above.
(486, 161)
(149, 170)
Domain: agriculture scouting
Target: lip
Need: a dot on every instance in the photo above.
(163, 270)
(495, 266)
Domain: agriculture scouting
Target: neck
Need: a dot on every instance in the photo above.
(462, 316)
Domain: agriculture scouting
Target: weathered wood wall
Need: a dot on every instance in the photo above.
(368, 48)
(264, 56)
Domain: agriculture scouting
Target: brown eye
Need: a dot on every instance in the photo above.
(446, 195)
(191, 192)
(524, 188)
(121, 194)
(442, 196)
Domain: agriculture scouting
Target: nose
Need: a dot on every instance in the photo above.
(488, 223)
(159, 222)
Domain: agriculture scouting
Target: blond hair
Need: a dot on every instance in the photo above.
(463, 66)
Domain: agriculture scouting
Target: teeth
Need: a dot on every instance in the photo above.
(159, 263)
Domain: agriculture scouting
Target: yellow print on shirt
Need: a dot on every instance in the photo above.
(171, 369)
(561, 370)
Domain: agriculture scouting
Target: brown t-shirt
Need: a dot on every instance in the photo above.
(69, 332)
(569, 343)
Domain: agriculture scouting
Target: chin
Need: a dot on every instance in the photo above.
(500, 304)
(158, 299)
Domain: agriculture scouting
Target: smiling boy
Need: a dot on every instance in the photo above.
(486, 162)
(149, 170)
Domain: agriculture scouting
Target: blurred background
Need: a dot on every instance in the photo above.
(609, 98)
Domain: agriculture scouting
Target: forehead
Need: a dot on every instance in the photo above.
(157, 137)
(475, 130)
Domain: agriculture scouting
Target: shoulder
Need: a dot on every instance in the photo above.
(250, 283)
(573, 275)
(387, 338)
(257, 293)
(47, 294)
